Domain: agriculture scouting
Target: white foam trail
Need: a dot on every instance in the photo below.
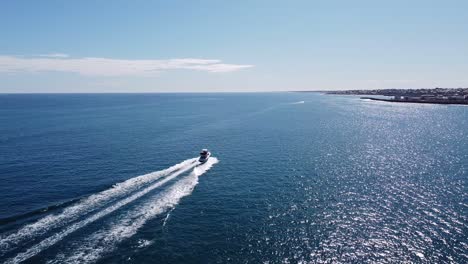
(105, 241)
(44, 244)
(167, 217)
(85, 206)
(300, 102)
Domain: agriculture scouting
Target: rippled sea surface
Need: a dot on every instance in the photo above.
(295, 177)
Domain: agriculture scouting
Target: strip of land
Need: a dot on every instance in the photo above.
(422, 96)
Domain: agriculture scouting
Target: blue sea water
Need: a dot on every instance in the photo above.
(295, 177)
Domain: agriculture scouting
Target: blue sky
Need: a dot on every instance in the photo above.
(191, 46)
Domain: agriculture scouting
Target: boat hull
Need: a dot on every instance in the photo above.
(204, 159)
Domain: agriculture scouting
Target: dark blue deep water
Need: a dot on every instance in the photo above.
(294, 178)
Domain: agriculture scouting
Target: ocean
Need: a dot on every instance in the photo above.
(293, 178)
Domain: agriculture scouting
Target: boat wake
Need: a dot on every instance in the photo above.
(102, 204)
(105, 240)
(85, 206)
(300, 102)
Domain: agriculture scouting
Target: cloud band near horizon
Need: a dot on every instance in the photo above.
(91, 66)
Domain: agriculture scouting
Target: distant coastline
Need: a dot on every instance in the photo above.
(422, 96)
(418, 101)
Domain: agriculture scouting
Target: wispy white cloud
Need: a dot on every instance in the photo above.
(110, 67)
(55, 55)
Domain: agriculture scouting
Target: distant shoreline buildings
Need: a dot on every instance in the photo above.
(426, 96)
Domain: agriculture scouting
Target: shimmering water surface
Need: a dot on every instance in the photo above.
(295, 177)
